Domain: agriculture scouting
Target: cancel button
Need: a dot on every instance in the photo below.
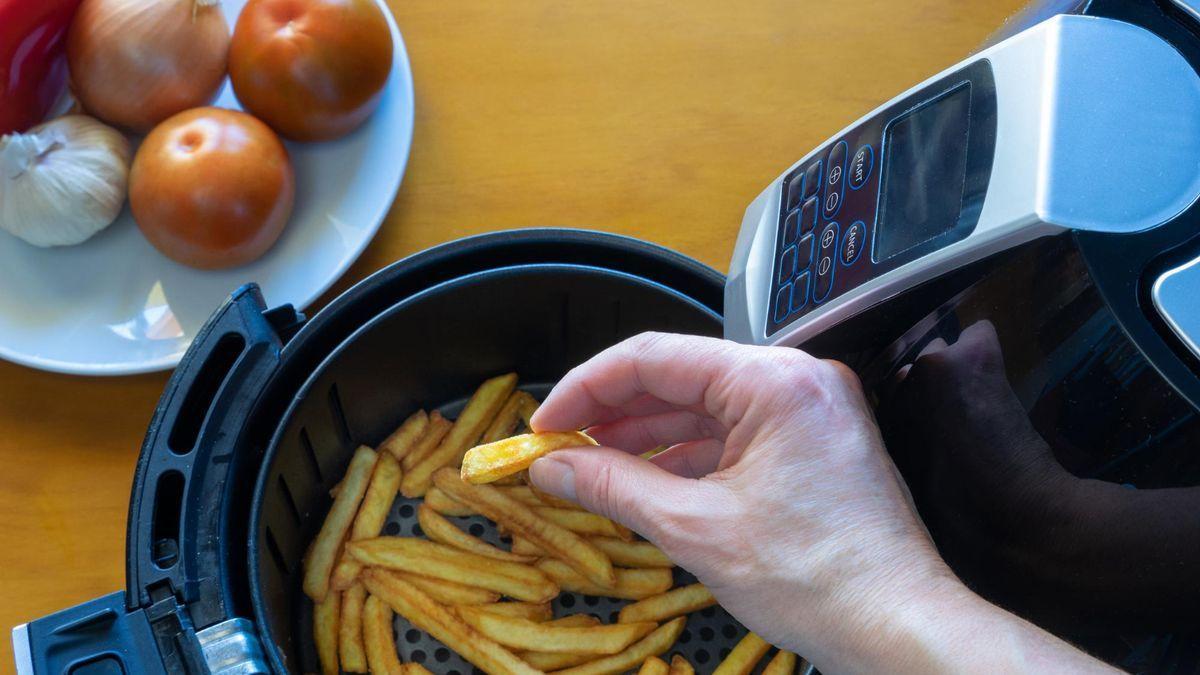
(852, 243)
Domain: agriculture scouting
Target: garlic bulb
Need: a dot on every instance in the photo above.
(62, 181)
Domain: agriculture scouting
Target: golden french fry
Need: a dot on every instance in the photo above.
(550, 500)
(632, 553)
(673, 603)
(654, 666)
(324, 551)
(783, 663)
(522, 546)
(631, 584)
(520, 633)
(534, 611)
(681, 666)
(446, 505)
(511, 479)
(486, 463)
(470, 425)
(444, 625)
(527, 406)
(522, 521)
(653, 644)
(372, 514)
(652, 452)
(575, 621)
(326, 621)
(745, 655)
(405, 437)
(548, 662)
(430, 559)
(416, 669)
(377, 638)
(506, 420)
(443, 531)
(584, 522)
(448, 592)
(435, 431)
(333, 491)
(520, 493)
(350, 634)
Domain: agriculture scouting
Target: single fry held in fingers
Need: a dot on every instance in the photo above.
(324, 552)
(326, 622)
(448, 592)
(435, 431)
(377, 638)
(654, 644)
(443, 531)
(372, 514)
(748, 652)
(654, 666)
(533, 611)
(350, 635)
(406, 436)
(522, 521)
(486, 463)
(681, 666)
(631, 584)
(673, 603)
(444, 504)
(444, 625)
(430, 559)
(525, 634)
(470, 425)
(783, 663)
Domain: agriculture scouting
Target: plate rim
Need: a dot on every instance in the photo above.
(407, 88)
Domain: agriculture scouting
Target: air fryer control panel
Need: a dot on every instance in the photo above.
(903, 183)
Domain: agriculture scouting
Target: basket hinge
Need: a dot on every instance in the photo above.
(232, 648)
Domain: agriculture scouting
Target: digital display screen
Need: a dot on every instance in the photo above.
(925, 171)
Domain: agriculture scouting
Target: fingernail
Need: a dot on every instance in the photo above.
(554, 476)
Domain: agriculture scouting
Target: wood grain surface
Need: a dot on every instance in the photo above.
(656, 119)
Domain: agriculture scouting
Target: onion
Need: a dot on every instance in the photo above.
(135, 63)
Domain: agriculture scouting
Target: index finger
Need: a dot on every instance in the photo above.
(681, 370)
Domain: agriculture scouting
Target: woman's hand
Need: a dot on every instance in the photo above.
(777, 493)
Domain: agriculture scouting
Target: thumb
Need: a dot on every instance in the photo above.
(612, 483)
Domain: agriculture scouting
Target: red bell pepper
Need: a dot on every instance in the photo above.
(33, 60)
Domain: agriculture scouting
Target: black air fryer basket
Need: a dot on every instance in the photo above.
(265, 410)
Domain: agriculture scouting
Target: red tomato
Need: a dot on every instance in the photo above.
(312, 69)
(211, 188)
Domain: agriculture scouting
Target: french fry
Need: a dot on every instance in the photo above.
(488, 462)
(673, 603)
(584, 522)
(550, 500)
(511, 479)
(372, 514)
(377, 638)
(326, 620)
(448, 592)
(631, 584)
(416, 669)
(632, 553)
(533, 611)
(522, 521)
(522, 546)
(430, 559)
(654, 666)
(547, 661)
(527, 406)
(350, 634)
(654, 644)
(681, 666)
(506, 420)
(405, 437)
(443, 531)
(783, 663)
(333, 491)
(521, 493)
(470, 425)
(324, 552)
(575, 621)
(444, 504)
(444, 625)
(520, 633)
(745, 655)
(435, 431)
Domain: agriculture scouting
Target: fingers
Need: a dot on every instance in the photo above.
(639, 434)
(696, 459)
(676, 369)
(623, 487)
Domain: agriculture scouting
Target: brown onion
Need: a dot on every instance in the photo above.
(135, 63)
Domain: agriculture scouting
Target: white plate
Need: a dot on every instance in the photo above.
(115, 305)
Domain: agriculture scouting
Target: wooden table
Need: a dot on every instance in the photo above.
(657, 119)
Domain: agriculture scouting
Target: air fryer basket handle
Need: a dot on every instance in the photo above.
(179, 604)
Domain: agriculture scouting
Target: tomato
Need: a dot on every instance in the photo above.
(211, 188)
(312, 69)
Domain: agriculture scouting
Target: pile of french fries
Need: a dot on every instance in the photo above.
(490, 605)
